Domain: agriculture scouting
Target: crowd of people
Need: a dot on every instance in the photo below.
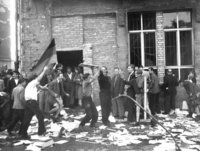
(56, 87)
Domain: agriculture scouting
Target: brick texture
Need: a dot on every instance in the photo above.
(79, 23)
(160, 46)
(68, 32)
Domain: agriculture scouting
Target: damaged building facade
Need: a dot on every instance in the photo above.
(162, 34)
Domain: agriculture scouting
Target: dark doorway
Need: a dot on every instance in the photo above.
(70, 58)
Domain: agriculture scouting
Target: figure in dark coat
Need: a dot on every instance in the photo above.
(105, 95)
(170, 83)
(154, 90)
(131, 89)
(117, 88)
(69, 87)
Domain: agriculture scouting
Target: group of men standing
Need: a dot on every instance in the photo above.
(59, 89)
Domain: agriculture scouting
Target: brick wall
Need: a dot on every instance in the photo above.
(38, 28)
(94, 34)
(160, 46)
(100, 31)
(68, 32)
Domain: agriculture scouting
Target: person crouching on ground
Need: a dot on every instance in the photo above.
(88, 104)
(32, 106)
(55, 99)
(18, 106)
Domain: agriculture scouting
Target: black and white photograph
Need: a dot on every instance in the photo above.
(99, 75)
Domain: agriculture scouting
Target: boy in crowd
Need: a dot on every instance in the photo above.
(18, 106)
(88, 104)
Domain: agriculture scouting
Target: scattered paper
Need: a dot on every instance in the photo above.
(61, 142)
(32, 147)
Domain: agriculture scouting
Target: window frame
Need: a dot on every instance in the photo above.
(178, 47)
(141, 32)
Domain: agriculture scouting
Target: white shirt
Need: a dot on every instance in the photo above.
(130, 75)
(31, 92)
(70, 75)
(16, 81)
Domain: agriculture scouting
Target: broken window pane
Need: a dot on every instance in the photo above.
(135, 49)
(149, 49)
(170, 48)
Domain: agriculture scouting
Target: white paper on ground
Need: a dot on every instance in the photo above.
(98, 108)
(21, 142)
(44, 144)
(165, 147)
(34, 120)
(32, 147)
(69, 126)
(119, 125)
(184, 140)
(112, 119)
(81, 135)
(61, 142)
(41, 138)
(3, 136)
(102, 127)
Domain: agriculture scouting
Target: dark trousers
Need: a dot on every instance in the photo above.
(105, 100)
(169, 102)
(154, 104)
(18, 115)
(32, 108)
(90, 110)
(130, 105)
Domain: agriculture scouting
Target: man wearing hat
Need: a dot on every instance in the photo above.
(170, 83)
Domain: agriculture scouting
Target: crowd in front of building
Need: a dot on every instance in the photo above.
(57, 87)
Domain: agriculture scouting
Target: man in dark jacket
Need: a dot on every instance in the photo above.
(154, 92)
(69, 87)
(105, 95)
(13, 82)
(117, 88)
(131, 90)
(191, 90)
(170, 83)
